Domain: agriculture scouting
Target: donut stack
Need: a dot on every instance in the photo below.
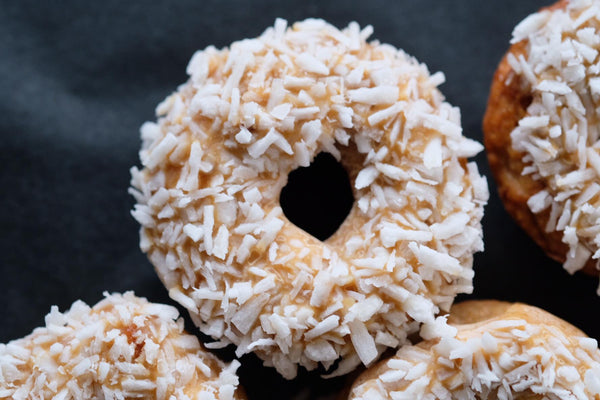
(213, 167)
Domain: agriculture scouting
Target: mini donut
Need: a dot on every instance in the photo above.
(122, 348)
(489, 350)
(220, 154)
(541, 131)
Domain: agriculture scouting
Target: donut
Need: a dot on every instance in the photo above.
(216, 160)
(122, 348)
(541, 131)
(489, 350)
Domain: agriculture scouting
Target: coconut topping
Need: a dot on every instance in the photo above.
(559, 136)
(122, 348)
(221, 151)
(503, 359)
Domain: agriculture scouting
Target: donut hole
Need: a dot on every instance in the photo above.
(318, 198)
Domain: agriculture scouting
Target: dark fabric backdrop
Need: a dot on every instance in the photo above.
(77, 80)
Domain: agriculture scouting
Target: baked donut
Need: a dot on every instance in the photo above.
(542, 128)
(221, 151)
(122, 348)
(489, 350)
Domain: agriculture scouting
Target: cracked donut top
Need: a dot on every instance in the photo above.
(559, 134)
(217, 158)
(530, 354)
(122, 348)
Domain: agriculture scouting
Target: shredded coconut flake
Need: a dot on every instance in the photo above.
(374, 96)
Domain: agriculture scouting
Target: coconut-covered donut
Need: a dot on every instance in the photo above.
(122, 348)
(220, 154)
(489, 350)
(542, 129)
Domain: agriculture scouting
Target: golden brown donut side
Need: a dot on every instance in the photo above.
(507, 104)
(475, 311)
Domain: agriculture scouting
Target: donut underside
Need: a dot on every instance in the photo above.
(507, 104)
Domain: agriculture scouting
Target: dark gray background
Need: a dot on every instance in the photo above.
(76, 82)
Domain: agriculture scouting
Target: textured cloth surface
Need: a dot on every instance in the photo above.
(77, 81)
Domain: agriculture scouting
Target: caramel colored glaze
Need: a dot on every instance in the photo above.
(131, 332)
(507, 104)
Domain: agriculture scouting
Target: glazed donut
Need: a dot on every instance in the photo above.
(542, 129)
(489, 350)
(216, 161)
(122, 348)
